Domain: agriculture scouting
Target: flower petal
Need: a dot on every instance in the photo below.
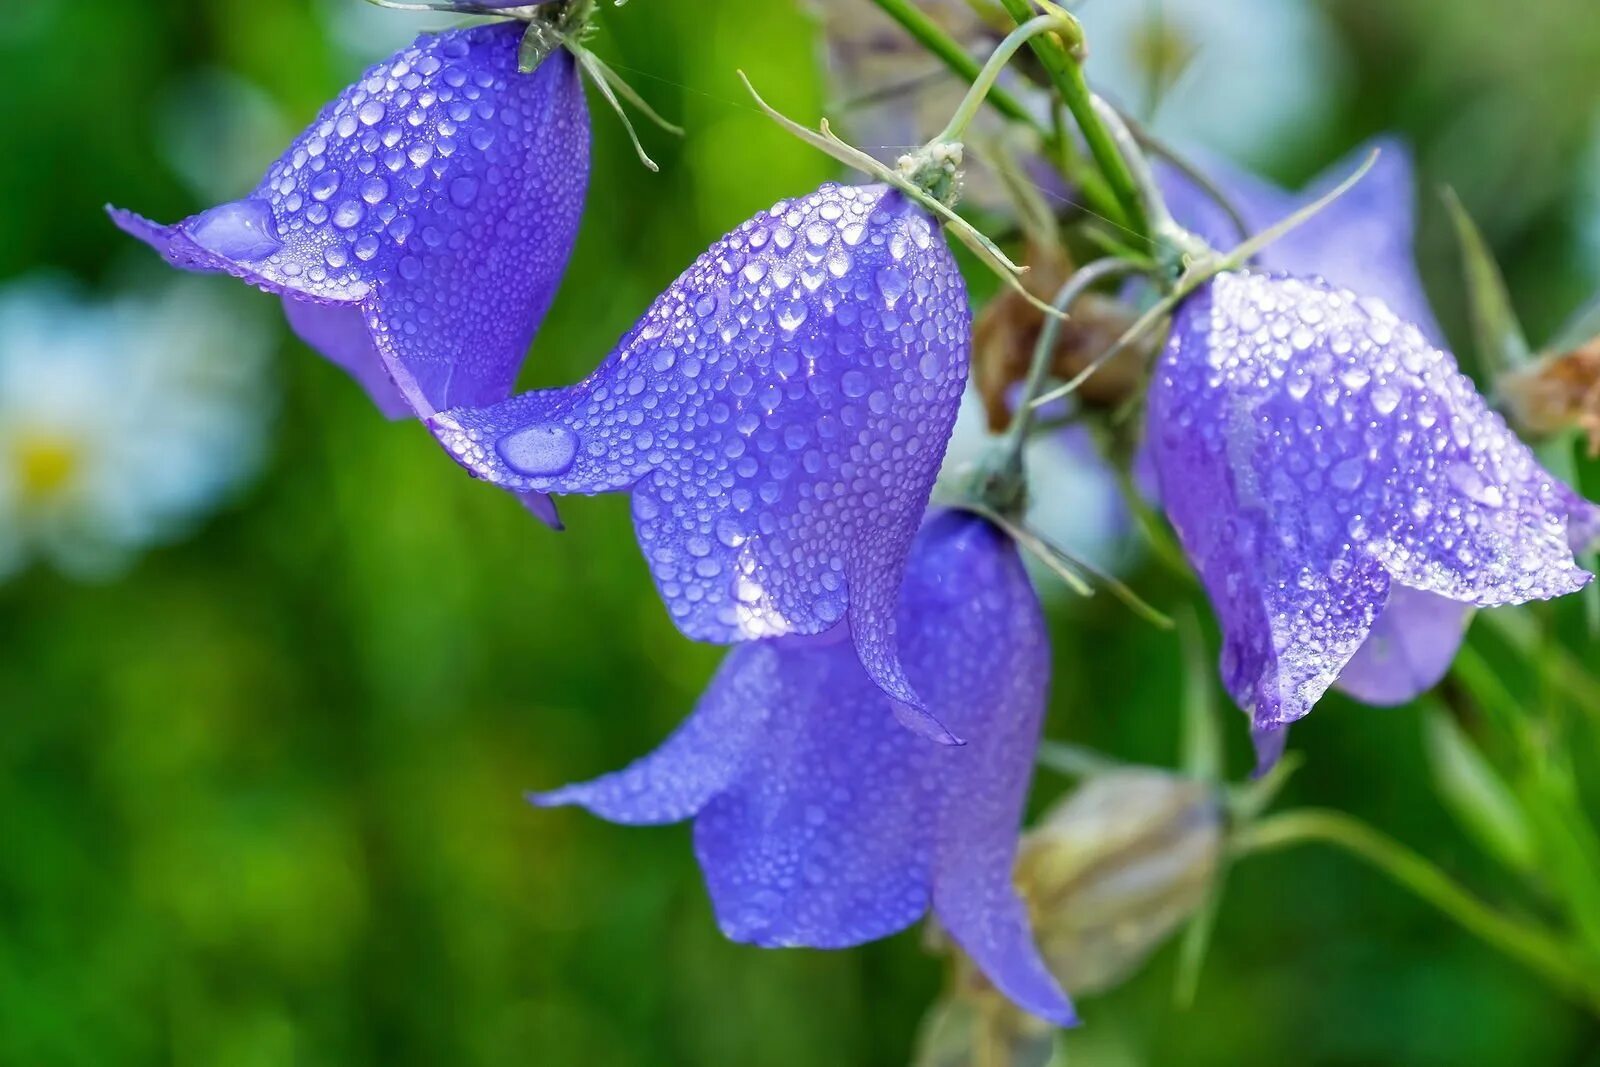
(1312, 448)
(439, 197)
(1409, 650)
(823, 823)
(779, 415)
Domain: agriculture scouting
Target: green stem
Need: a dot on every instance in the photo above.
(1044, 350)
(1533, 946)
(928, 33)
(1060, 56)
(984, 83)
(947, 50)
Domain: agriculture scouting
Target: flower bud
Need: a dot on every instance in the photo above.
(1114, 869)
(1557, 393)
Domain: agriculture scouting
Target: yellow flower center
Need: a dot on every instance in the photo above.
(45, 463)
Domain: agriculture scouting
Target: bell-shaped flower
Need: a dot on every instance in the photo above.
(1362, 241)
(779, 415)
(819, 821)
(1325, 465)
(418, 230)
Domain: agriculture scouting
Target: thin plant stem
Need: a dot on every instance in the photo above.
(928, 33)
(984, 83)
(1535, 947)
(1076, 286)
(1060, 56)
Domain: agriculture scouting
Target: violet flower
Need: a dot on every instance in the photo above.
(1323, 463)
(1362, 241)
(418, 230)
(820, 822)
(779, 415)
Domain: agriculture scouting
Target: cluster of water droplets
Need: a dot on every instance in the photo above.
(1313, 448)
(779, 414)
(444, 185)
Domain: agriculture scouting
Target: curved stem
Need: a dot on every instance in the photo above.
(1535, 947)
(1044, 349)
(928, 33)
(1060, 57)
(984, 83)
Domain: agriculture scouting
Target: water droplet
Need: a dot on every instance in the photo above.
(539, 451)
(791, 314)
(348, 215)
(464, 190)
(325, 185)
(241, 230)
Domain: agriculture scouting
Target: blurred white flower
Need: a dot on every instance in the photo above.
(1252, 78)
(122, 423)
(1074, 499)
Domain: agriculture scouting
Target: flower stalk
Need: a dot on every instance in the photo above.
(1535, 947)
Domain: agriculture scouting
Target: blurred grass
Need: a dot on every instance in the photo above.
(260, 801)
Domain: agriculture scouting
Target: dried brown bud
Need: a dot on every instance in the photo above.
(1559, 392)
(1008, 328)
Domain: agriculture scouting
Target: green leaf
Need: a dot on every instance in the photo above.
(1496, 332)
(1476, 795)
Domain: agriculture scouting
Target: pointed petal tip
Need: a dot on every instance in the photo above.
(922, 722)
(551, 798)
(1270, 741)
(542, 506)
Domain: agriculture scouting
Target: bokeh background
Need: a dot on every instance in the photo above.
(260, 790)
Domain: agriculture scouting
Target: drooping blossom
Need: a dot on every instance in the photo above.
(1363, 241)
(819, 822)
(778, 415)
(1322, 463)
(418, 230)
(119, 427)
(1248, 78)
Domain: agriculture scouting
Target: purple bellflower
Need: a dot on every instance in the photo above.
(1362, 241)
(819, 821)
(419, 229)
(779, 416)
(1324, 465)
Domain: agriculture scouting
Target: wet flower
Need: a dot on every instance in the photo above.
(820, 822)
(779, 416)
(119, 427)
(418, 230)
(1318, 456)
(1362, 241)
(1109, 874)
(1246, 78)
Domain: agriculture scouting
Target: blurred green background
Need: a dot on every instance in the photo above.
(260, 800)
